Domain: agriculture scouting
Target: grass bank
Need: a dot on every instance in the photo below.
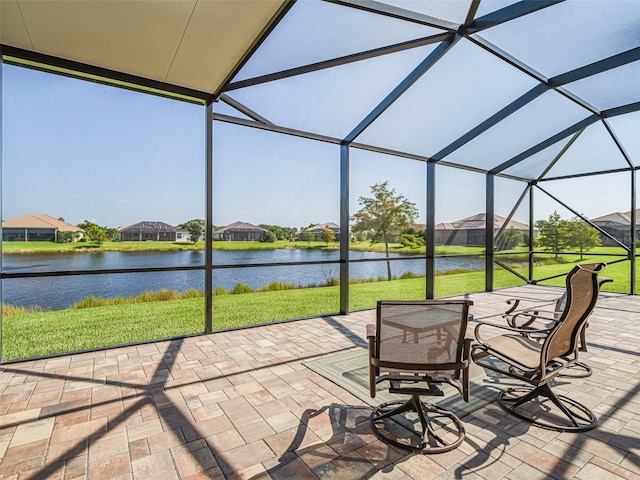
(52, 247)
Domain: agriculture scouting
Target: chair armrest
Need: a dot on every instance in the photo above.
(525, 331)
(527, 318)
(371, 330)
(603, 280)
(515, 301)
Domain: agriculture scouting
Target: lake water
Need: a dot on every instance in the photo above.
(61, 292)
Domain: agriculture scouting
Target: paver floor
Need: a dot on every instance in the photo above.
(241, 405)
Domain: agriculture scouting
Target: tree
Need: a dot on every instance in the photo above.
(112, 234)
(411, 241)
(281, 233)
(328, 235)
(95, 233)
(66, 237)
(412, 238)
(195, 228)
(308, 236)
(269, 237)
(384, 215)
(553, 233)
(582, 236)
(509, 239)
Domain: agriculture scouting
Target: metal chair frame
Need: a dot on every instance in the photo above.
(420, 379)
(556, 347)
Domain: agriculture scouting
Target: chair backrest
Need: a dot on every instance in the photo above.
(562, 301)
(581, 296)
(421, 335)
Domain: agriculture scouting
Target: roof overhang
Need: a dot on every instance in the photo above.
(196, 45)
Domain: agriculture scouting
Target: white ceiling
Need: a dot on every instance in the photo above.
(189, 43)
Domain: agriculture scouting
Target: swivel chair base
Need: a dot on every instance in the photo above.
(580, 418)
(441, 430)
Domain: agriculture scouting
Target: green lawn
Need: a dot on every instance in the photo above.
(43, 333)
(52, 247)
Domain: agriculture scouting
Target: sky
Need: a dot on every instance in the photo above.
(85, 151)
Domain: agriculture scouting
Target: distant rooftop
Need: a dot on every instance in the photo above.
(40, 221)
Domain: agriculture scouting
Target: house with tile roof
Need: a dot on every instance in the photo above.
(39, 228)
(151, 231)
(618, 225)
(318, 230)
(471, 231)
(240, 232)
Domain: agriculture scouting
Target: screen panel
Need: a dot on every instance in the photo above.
(380, 185)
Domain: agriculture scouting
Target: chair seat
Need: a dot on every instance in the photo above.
(521, 350)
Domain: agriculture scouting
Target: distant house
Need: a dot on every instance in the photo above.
(618, 225)
(471, 231)
(318, 230)
(240, 232)
(148, 232)
(182, 234)
(38, 228)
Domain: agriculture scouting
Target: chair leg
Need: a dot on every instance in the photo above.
(440, 430)
(579, 417)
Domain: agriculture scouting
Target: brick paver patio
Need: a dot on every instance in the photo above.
(241, 405)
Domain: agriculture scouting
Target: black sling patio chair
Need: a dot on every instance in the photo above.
(416, 346)
(537, 356)
(536, 318)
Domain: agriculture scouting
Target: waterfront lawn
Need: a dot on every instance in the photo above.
(53, 247)
(42, 333)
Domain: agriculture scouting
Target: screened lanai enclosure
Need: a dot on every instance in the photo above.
(515, 124)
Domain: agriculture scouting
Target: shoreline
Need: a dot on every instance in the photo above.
(12, 248)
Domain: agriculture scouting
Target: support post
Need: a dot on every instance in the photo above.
(490, 216)
(1, 170)
(344, 228)
(430, 232)
(531, 231)
(208, 231)
(634, 220)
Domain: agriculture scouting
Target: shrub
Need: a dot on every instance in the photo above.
(90, 302)
(219, 291)
(277, 286)
(193, 293)
(161, 295)
(269, 237)
(241, 288)
(411, 241)
(8, 310)
(331, 282)
(408, 275)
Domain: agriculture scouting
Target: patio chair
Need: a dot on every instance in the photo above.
(416, 346)
(537, 361)
(538, 318)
